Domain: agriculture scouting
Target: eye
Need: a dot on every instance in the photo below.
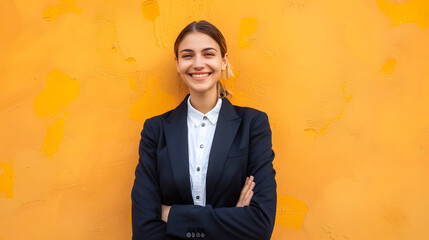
(209, 54)
(186, 56)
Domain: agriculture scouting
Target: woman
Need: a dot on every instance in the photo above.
(205, 169)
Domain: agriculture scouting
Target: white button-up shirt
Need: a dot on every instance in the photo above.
(201, 129)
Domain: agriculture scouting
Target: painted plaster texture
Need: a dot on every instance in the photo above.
(345, 85)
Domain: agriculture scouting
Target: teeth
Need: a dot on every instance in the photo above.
(200, 75)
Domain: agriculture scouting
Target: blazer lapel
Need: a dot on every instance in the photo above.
(176, 134)
(226, 129)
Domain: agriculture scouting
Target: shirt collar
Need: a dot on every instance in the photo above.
(197, 117)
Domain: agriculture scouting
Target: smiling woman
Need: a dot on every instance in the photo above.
(205, 168)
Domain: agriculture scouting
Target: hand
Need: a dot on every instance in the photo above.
(246, 193)
(165, 212)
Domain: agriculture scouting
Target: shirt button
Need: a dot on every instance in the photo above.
(203, 124)
(202, 145)
(205, 118)
(197, 197)
(198, 169)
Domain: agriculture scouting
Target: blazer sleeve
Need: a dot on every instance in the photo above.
(145, 195)
(255, 221)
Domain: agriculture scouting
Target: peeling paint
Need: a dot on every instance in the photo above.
(53, 12)
(114, 49)
(311, 133)
(151, 12)
(248, 26)
(414, 11)
(333, 235)
(389, 66)
(60, 91)
(54, 135)
(150, 9)
(291, 211)
(7, 178)
(153, 102)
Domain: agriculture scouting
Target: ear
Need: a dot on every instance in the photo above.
(177, 63)
(225, 62)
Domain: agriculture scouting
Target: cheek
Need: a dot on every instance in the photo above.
(215, 65)
(183, 68)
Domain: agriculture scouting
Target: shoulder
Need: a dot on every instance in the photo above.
(250, 114)
(252, 118)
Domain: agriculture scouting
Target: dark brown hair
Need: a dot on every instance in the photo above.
(213, 32)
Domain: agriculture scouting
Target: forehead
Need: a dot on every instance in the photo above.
(197, 41)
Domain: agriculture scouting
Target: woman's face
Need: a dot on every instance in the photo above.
(199, 63)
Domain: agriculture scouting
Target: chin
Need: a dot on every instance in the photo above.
(202, 90)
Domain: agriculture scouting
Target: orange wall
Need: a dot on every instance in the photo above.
(345, 84)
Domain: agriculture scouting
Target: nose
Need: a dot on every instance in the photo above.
(198, 61)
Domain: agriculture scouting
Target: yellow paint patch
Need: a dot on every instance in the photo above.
(414, 11)
(248, 26)
(153, 102)
(7, 178)
(60, 91)
(53, 12)
(130, 59)
(150, 9)
(311, 134)
(349, 98)
(291, 211)
(389, 66)
(54, 135)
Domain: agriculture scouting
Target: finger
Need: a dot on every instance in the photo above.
(245, 188)
(249, 194)
(251, 178)
(252, 185)
(243, 192)
(248, 198)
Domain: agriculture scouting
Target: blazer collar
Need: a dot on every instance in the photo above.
(180, 112)
(226, 129)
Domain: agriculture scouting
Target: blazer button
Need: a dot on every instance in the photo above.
(203, 235)
(193, 234)
(188, 234)
(198, 234)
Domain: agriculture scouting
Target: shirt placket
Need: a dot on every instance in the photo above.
(201, 141)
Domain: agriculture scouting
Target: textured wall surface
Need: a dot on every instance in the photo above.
(345, 84)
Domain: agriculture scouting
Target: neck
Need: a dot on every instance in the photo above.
(203, 102)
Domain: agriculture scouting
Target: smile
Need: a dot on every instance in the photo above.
(200, 75)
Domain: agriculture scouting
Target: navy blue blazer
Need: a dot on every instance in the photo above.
(241, 148)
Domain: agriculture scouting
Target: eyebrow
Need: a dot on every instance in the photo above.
(190, 50)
